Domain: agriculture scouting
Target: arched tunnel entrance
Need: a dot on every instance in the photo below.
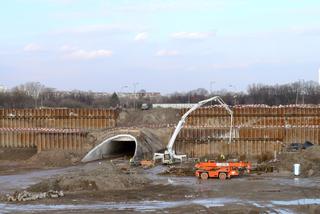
(135, 143)
(117, 146)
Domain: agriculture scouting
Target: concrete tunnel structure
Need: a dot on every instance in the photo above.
(136, 144)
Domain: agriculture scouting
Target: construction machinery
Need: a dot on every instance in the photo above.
(222, 170)
(169, 156)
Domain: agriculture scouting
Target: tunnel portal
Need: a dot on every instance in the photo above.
(116, 146)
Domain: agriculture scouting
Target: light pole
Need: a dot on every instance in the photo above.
(300, 91)
(122, 91)
(211, 84)
(235, 93)
(134, 93)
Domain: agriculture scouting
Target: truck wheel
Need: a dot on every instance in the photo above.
(204, 176)
(222, 176)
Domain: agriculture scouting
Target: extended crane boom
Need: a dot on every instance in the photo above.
(169, 155)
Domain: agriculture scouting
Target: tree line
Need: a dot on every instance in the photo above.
(36, 95)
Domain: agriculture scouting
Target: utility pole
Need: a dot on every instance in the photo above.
(122, 91)
(303, 91)
(300, 91)
(134, 93)
(233, 87)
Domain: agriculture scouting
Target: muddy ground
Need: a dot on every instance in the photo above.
(114, 186)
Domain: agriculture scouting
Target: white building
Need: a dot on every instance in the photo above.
(173, 105)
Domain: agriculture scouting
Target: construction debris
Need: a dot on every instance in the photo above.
(178, 171)
(29, 196)
(146, 164)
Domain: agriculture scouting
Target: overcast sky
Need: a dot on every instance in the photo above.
(166, 46)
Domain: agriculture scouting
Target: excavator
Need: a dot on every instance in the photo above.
(169, 156)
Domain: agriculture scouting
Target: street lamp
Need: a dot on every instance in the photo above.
(235, 93)
(300, 91)
(211, 84)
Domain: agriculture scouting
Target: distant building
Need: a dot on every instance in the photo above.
(139, 94)
(3, 88)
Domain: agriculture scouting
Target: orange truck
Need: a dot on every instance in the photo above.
(222, 170)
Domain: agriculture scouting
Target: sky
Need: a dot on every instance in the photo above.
(158, 45)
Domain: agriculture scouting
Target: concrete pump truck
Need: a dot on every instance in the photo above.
(169, 156)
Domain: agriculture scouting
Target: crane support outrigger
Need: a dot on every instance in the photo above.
(169, 156)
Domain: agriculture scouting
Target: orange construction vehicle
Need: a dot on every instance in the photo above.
(222, 171)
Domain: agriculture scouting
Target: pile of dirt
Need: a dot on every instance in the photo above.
(97, 176)
(309, 160)
(17, 154)
(148, 117)
(55, 158)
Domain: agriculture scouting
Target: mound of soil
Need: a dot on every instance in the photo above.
(308, 159)
(55, 158)
(148, 117)
(98, 176)
(17, 154)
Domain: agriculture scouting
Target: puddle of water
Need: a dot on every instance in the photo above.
(155, 205)
(152, 174)
(283, 211)
(307, 201)
(136, 206)
(9, 183)
(298, 182)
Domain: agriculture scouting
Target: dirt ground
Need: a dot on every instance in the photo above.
(97, 176)
(308, 158)
(150, 117)
(18, 160)
(115, 186)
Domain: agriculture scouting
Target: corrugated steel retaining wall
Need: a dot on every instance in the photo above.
(44, 139)
(52, 129)
(258, 129)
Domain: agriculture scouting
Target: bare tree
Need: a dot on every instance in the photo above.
(32, 89)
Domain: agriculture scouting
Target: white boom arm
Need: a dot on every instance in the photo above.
(181, 123)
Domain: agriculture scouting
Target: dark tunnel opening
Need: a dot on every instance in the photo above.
(121, 149)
